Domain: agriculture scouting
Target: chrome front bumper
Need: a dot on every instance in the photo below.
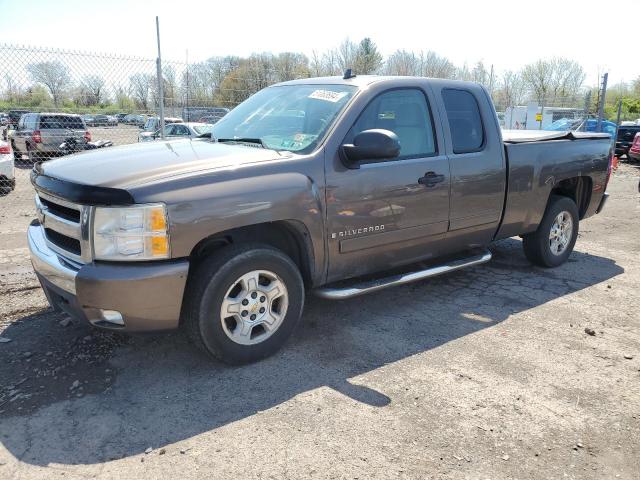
(147, 296)
(48, 264)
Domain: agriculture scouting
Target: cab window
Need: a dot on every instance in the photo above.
(406, 113)
(465, 122)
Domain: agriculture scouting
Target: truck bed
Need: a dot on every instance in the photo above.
(528, 136)
(538, 161)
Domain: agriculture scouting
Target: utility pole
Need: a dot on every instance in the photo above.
(185, 111)
(587, 106)
(491, 83)
(601, 99)
(160, 82)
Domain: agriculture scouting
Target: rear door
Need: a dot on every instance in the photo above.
(55, 129)
(380, 215)
(476, 158)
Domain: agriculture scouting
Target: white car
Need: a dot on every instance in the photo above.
(175, 131)
(7, 174)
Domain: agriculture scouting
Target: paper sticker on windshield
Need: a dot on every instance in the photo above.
(327, 95)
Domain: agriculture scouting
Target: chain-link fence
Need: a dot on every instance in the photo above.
(56, 102)
(557, 113)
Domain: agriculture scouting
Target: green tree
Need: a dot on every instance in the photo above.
(368, 59)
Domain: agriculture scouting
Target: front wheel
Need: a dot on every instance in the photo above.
(243, 303)
(552, 243)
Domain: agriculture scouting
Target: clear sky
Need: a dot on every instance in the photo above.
(507, 34)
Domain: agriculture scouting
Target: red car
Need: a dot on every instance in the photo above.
(634, 150)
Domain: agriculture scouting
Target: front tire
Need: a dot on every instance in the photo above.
(243, 303)
(552, 243)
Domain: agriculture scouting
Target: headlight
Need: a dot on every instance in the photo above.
(138, 232)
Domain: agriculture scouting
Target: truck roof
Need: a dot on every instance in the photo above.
(365, 80)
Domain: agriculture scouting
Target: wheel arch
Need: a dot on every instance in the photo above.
(577, 188)
(292, 237)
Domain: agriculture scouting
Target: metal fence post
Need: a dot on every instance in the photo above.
(160, 82)
(601, 102)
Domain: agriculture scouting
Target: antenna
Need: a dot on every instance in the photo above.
(348, 74)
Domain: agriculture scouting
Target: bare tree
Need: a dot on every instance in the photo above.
(347, 54)
(12, 89)
(54, 75)
(480, 74)
(93, 86)
(290, 66)
(169, 85)
(403, 62)
(511, 90)
(549, 80)
(316, 66)
(141, 85)
(435, 66)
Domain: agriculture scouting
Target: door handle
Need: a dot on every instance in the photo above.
(431, 179)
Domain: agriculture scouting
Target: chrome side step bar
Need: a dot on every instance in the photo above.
(354, 290)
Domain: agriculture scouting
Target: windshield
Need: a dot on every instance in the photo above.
(289, 117)
(150, 125)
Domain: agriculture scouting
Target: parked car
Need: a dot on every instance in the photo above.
(223, 237)
(14, 116)
(153, 123)
(7, 171)
(87, 119)
(195, 114)
(97, 120)
(112, 120)
(625, 137)
(4, 119)
(40, 135)
(214, 115)
(634, 149)
(175, 131)
(591, 125)
(121, 117)
(135, 119)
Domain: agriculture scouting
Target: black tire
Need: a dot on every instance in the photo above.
(536, 245)
(34, 157)
(206, 290)
(17, 154)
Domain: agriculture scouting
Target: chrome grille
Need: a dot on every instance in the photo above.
(66, 227)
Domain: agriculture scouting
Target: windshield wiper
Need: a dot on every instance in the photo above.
(257, 141)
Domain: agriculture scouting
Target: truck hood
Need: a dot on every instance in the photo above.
(129, 165)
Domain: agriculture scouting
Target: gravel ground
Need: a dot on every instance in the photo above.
(500, 371)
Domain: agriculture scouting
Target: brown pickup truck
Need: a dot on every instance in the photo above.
(340, 186)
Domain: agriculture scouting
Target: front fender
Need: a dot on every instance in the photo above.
(209, 208)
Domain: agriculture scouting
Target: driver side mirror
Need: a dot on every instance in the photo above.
(374, 144)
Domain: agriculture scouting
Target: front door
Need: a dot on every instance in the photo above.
(389, 213)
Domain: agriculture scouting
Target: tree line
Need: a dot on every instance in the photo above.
(227, 81)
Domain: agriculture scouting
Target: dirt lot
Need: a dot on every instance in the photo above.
(485, 373)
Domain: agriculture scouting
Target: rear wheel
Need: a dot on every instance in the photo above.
(243, 303)
(17, 154)
(33, 155)
(552, 243)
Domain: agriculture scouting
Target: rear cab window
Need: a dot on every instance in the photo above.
(61, 122)
(465, 122)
